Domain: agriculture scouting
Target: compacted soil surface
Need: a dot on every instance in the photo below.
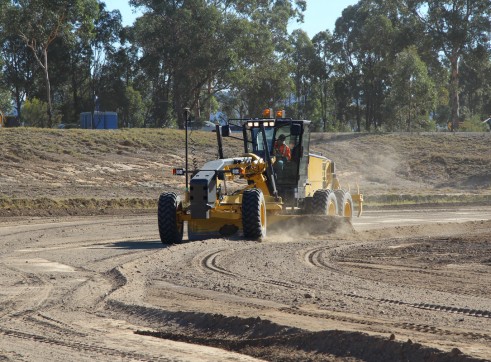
(84, 276)
(104, 288)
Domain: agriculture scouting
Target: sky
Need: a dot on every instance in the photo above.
(320, 15)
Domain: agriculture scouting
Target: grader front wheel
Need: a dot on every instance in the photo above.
(253, 214)
(170, 229)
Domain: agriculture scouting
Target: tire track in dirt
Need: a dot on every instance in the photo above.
(424, 328)
(314, 257)
(114, 277)
(35, 290)
(33, 320)
(453, 264)
(90, 348)
(221, 278)
(210, 262)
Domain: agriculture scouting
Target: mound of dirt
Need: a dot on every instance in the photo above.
(411, 163)
(127, 164)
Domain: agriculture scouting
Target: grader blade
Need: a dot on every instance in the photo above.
(309, 224)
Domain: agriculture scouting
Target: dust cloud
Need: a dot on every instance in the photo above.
(311, 225)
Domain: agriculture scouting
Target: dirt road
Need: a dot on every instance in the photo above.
(405, 285)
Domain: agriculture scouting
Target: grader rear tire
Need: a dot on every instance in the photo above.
(170, 229)
(324, 202)
(345, 203)
(253, 214)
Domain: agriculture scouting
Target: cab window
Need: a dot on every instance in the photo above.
(257, 140)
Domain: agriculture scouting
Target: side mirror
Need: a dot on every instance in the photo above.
(225, 131)
(296, 130)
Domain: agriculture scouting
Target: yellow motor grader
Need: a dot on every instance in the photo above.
(277, 188)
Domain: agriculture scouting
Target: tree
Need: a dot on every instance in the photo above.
(18, 69)
(322, 69)
(40, 22)
(34, 112)
(363, 41)
(5, 105)
(456, 28)
(103, 64)
(412, 95)
(133, 114)
(302, 58)
(200, 47)
(184, 47)
(475, 80)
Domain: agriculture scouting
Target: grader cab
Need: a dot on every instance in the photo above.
(277, 188)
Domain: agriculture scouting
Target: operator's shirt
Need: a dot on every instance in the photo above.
(283, 150)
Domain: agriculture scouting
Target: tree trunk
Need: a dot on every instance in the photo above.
(76, 105)
(367, 116)
(18, 102)
(178, 108)
(48, 88)
(454, 91)
(209, 92)
(358, 115)
(324, 102)
(408, 122)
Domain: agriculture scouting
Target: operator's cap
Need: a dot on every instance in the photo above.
(282, 137)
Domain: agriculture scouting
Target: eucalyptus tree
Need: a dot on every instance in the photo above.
(5, 105)
(412, 95)
(377, 40)
(456, 27)
(182, 50)
(93, 53)
(40, 22)
(5, 98)
(302, 58)
(4, 4)
(195, 48)
(475, 80)
(368, 36)
(259, 77)
(364, 38)
(18, 69)
(322, 71)
(267, 85)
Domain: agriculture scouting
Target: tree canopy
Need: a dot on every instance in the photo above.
(395, 65)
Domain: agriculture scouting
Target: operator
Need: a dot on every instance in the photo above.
(282, 153)
(281, 150)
